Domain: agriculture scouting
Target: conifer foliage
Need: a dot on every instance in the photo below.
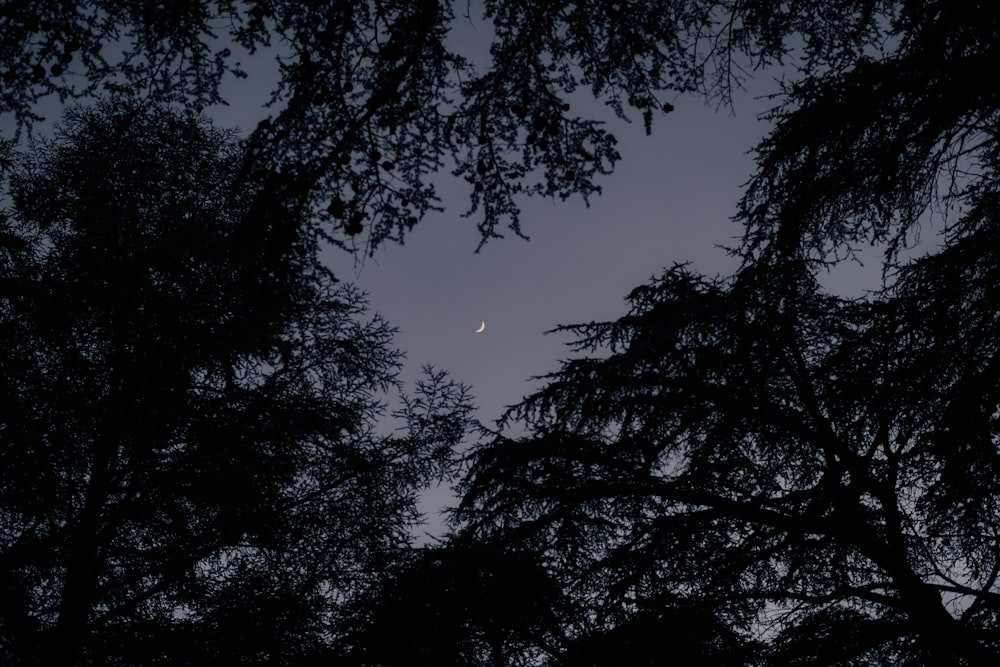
(192, 472)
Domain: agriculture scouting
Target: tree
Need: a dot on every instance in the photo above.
(828, 471)
(762, 451)
(863, 153)
(192, 467)
(374, 99)
(819, 471)
(460, 605)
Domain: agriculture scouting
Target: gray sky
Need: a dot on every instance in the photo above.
(669, 200)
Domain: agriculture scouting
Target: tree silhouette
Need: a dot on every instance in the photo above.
(478, 604)
(664, 629)
(191, 468)
(863, 153)
(376, 97)
(819, 471)
(828, 470)
(188, 396)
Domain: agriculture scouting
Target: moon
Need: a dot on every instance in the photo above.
(482, 327)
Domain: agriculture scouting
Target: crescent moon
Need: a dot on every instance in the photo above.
(482, 327)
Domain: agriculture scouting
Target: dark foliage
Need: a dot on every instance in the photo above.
(819, 472)
(751, 470)
(664, 631)
(829, 466)
(865, 153)
(191, 473)
(460, 605)
(375, 97)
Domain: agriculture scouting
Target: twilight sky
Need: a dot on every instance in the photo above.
(670, 200)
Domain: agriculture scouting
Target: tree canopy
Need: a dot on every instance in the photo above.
(749, 467)
(863, 154)
(375, 98)
(192, 467)
(828, 471)
(818, 471)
